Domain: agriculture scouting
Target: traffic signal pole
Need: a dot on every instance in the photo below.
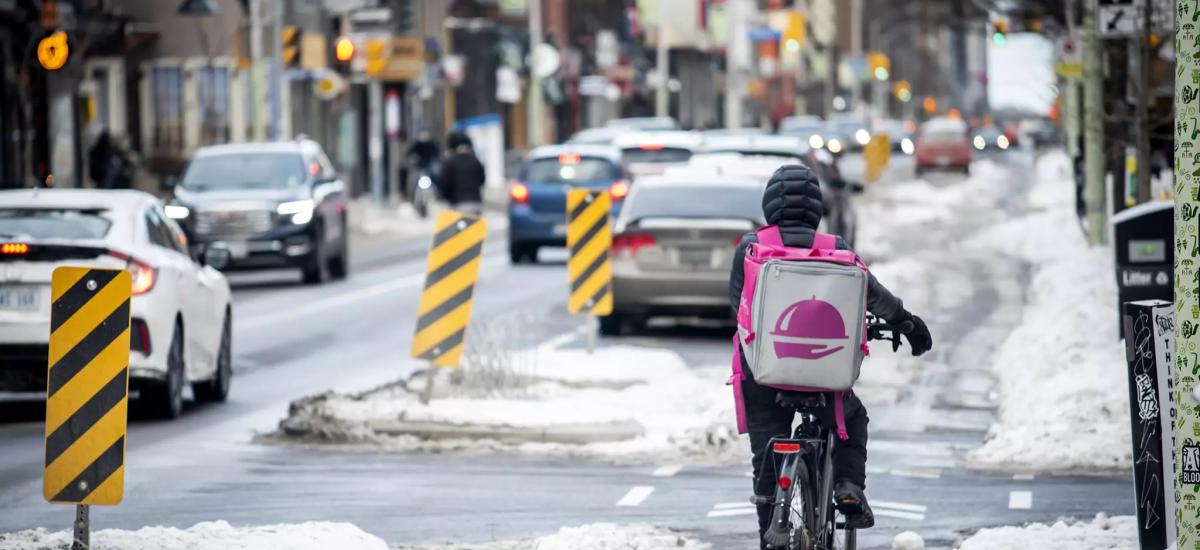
(1093, 126)
(534, 103)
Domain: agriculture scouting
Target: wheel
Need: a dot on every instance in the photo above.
(612, 324)
(166, 399)
(339, 267)
(217, 389)
(522, 254)
(316, 270)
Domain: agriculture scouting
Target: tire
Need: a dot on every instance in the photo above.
(166, 398)
(316, 269)
(522, 254)
(612, 325)
(217, 389)
(339, 267)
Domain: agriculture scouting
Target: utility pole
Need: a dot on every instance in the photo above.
(1139, 78)
(1093, 126)
(257, 73)
(1071, 103)
(735, 12)
(533, 105)
(856, 52)
(662, 66)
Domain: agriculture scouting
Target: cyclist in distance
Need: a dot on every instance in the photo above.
(792, 201)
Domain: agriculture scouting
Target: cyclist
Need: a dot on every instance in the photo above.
(792, 201)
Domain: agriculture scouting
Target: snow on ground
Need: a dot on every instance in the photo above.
(683, 412)
(1064, 403)
(1102, 533)
(596, 536)
(209, 535)
(908, 540)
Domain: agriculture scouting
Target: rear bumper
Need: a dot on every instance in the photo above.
(685, 294)
(527, 227)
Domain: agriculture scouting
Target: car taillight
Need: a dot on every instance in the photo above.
(143, 274)
(14, 249)
(519, 193)
(619, 189)
(630, 243)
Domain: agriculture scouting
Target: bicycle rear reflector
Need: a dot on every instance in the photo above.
(786, 448)
(785, 482)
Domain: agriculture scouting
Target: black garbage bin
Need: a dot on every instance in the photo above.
(1143, 238)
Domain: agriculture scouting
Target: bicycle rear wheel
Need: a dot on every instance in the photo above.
(793, 518)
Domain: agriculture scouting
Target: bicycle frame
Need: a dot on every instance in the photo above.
(807, 464)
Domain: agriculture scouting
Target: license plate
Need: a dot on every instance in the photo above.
(19, 299)
(560, 229)
(699, 257)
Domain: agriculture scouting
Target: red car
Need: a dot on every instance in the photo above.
(942, 144)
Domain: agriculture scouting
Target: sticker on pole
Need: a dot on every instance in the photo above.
(87, 386)
(450, 273)
(589, 240)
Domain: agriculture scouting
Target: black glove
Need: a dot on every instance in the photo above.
(918, 336)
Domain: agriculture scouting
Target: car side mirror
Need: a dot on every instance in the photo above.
(217, 257)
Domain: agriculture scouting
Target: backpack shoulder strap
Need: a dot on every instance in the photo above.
(770, 236)
(824, 241)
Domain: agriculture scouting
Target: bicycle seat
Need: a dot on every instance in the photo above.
(800, 400)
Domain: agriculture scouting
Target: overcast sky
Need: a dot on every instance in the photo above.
(1021, 73)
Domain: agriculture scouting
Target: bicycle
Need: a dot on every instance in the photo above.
(807, 464)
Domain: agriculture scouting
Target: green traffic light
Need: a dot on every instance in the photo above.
(999, 38)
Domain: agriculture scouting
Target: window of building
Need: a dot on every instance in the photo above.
(213, 92)
(166, 97)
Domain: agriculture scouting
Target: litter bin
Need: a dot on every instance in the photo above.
(1143, 239)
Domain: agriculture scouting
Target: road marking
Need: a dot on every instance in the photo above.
(1022, 477)
(729, 505)
(1020, 500)
(667, 471)
(732, 512)
(902, 506)
(899, 472)
(900, 515)
(561, 340)
(636, 495)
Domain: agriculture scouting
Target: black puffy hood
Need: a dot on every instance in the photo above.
(792, 198)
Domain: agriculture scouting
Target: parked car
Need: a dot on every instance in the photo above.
(648, 153)
(537, 206)
(723, 132)
(597, 136)
(180, 309)
(270, 204)
(671, 256)
(943, 144)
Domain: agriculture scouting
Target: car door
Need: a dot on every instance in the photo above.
(191, 298)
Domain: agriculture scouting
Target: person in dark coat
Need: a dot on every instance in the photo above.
(101, 160)
(792, 201)
(463, 176)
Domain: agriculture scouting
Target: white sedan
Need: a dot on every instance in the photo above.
(180, 310)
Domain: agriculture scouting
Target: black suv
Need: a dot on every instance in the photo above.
(270, 205)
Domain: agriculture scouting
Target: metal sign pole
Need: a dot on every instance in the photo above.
(427, 392)
(593, 327)
(83, 528)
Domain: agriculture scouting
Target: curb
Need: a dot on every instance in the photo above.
(578, 433)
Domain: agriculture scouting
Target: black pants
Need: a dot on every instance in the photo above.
(766, 419)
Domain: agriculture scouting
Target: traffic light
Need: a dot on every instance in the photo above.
(343, 54)
(902, 90)
(53, 51)
(290, 36)
(879, 65)
(1000, 36)
(377, 51)
(794, 34)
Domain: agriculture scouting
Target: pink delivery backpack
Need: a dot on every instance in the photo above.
(801, 319)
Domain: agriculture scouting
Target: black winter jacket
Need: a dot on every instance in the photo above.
(792, 201)
(462, 177)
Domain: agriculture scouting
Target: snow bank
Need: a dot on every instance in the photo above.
(596, 536)
(908, 540)
(1102, 533)
(210, 535)
(1064, 404)
(684, 413)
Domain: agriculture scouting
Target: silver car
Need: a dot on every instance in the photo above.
(673, 244)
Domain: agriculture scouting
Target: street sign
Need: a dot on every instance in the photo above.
(1118, 20)
(53, 51)
(450, 274)
(589, 239)
(87, 386)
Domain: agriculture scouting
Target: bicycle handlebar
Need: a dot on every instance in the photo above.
(877, 328)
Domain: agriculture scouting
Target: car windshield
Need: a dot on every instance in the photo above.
(702, 201)
(845, 127)
(570, 169)
(648, 155)
(244, 171)
(47, 223)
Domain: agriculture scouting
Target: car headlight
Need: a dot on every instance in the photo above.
(979, 142)
(834, 145)
(862, 136)
(1002, 142)
(816, 142)
(907, 146)
(301, 211)
(176, 211)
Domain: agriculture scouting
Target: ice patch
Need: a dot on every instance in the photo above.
(209, 535)
(1102, 533)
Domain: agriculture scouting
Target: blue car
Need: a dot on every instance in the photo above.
(537, 206)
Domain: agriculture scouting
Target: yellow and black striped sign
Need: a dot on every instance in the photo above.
(445, 307)
(87, 386)
(589, 239)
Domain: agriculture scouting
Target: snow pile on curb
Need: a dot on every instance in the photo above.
(908, 540)
(621, 402)
(1102, 533)
(209, 535)
(1064, 404)
(596, 536)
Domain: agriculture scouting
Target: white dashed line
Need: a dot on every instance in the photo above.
(899, 515)
(1020, 500)
(1022, 477)
(667, 471)
(731, 512)
(636, 495)
(902, 506)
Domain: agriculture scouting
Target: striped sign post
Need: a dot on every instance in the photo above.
(87, 388)
(589, 269)
(445, 306)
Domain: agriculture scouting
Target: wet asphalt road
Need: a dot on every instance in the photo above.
(294, 340)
